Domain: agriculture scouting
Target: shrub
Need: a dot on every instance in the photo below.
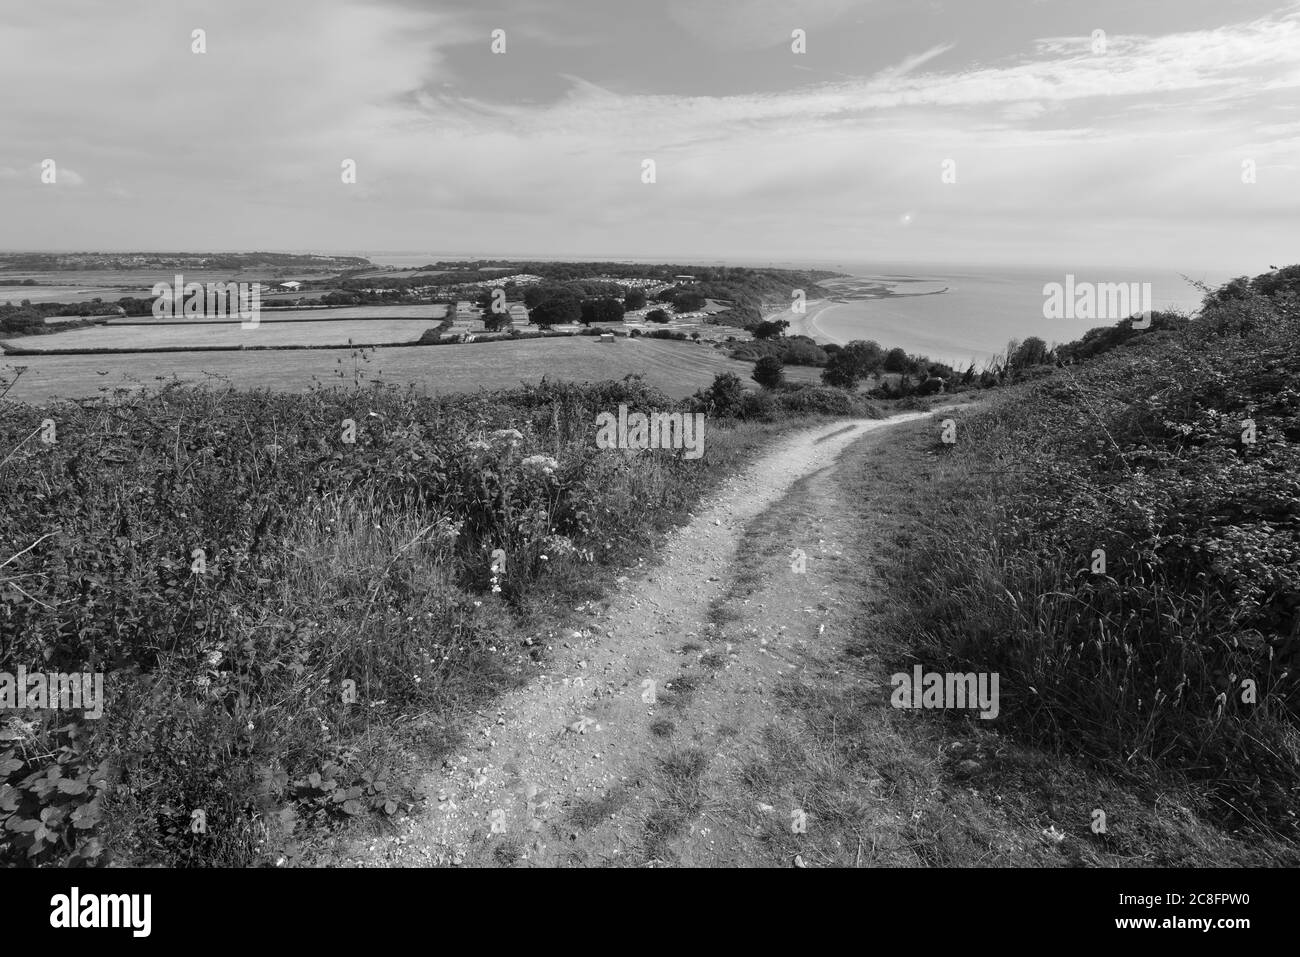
(768, 372)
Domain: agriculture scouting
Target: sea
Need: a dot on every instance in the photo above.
(964, 314)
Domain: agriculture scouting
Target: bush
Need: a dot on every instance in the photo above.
(758, 407)
(820, 400)
(723, 399)
(768, 372)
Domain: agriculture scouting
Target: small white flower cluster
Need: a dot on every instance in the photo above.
(445, 532)
(212, 659)
(558, 546)
(539, 464)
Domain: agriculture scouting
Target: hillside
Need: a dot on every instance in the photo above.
(318, 611)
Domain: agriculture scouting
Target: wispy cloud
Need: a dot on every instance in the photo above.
(244, 143)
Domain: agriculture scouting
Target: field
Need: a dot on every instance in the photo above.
(138, 281)
(433, 310)
(81, 293)
(678, 368)
(230, 334)
(110, 285)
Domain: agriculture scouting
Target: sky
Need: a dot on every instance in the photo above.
(1055, 132)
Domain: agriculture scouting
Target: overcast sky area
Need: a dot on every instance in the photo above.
(1062, 155)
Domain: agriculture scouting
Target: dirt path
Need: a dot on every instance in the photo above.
(629, 747)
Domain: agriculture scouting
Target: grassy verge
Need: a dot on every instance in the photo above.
(1120, 544)
(884, 786)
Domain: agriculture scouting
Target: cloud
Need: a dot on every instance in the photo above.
(756, 24)
(245, 142)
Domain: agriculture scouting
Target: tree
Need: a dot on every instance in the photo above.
(896, 360)
(803, 354)
(1032, 352)
(688, 300)
(854, 362)
(769, 372)
(558, 309)
(723, 398)
(601, 310)
(867, 357)
(656, 315)
(540, 292)
(635, 299)
(841, 370)
(771, 330)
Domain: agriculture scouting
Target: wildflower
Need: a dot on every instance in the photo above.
(559, 545)
(543, 464)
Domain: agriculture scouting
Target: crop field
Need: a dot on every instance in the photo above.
(677, 368)
(433, 310)
(16, 294)
(140, 280)
(230, 334)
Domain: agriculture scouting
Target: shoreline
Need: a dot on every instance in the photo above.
(806, 324)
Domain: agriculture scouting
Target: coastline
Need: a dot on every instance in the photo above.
(806, 324)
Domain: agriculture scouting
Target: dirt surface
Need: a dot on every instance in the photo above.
(630, 747)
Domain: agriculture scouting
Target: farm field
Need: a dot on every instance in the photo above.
(435, 310)
(678, 368)
(230, 334)
(116, 283)
(81, 293)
